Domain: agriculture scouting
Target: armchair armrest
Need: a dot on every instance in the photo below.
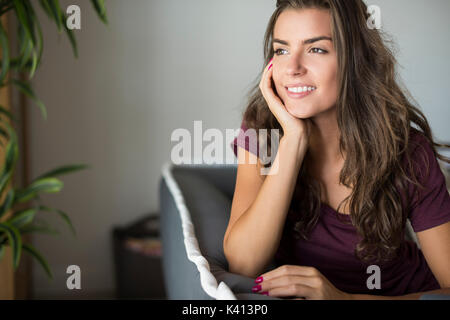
(195, 204)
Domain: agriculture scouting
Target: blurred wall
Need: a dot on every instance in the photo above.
(158, 66)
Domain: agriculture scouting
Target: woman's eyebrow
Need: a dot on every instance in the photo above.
(307, 41)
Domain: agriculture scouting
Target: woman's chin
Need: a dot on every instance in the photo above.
(298, 112)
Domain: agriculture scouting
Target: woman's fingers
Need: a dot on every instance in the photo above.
(290, 270)
(275, 104)
(300, 282)
(293, 290)
(288, 122)
(287, 280)
(265, 84)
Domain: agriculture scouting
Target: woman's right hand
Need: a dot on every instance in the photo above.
(292, 126)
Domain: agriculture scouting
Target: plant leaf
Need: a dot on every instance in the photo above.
(5, 54)
(31, 250)
(26, 89)
(63, 170)
(5, 179)
(14, 240)
(63, 215)
(24, 19)
(34, 60)
(99, 6)
(37, 49)
(12, 152)
(71, 36)
(48, 185)
(46, 7)
(22, 218)
(26, 46)
(53, 10)
(7, 203)
(7, 113)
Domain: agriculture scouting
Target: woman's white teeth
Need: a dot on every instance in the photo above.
(301, 89)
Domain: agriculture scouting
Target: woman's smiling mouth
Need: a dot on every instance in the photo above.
(299, 92)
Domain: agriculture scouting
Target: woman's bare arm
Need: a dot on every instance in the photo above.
(259, 209)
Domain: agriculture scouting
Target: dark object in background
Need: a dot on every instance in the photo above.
(137, 256)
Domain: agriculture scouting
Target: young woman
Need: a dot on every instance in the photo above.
(350, 168)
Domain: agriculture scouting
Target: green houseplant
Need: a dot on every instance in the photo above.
(19, 206)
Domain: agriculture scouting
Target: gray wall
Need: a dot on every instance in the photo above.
(160, 65)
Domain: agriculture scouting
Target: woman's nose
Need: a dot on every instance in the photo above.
(295, 66)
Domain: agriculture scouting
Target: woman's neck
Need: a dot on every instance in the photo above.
(324, 139)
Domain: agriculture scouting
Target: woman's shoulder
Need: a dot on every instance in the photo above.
(430, 206)
(420, 151)
(417, 139)
(246, 140)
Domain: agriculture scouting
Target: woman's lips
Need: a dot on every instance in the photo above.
(299, 95)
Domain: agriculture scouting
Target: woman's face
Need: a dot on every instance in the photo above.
(305, 57)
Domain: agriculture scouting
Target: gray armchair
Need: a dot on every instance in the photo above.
(195, 204)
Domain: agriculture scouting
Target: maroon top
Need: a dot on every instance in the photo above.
(330, 248)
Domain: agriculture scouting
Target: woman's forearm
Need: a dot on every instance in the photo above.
(255, 236)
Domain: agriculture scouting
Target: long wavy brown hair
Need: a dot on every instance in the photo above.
(374, 115)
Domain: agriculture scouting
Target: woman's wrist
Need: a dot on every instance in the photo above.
(295, 144)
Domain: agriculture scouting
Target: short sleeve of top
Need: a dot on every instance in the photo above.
(430, 207)
(246, 139)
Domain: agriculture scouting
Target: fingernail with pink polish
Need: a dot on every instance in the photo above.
(259, 280)
(256, 288)
(269, 67)
(265, 293)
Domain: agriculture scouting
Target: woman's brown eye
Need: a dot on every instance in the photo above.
(322, 51)
(277, 51)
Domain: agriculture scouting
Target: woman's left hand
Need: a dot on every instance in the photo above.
(300, 283)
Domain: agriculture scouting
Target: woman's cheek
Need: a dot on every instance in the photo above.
(278, 86)
(281, 94)
(278, 89)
